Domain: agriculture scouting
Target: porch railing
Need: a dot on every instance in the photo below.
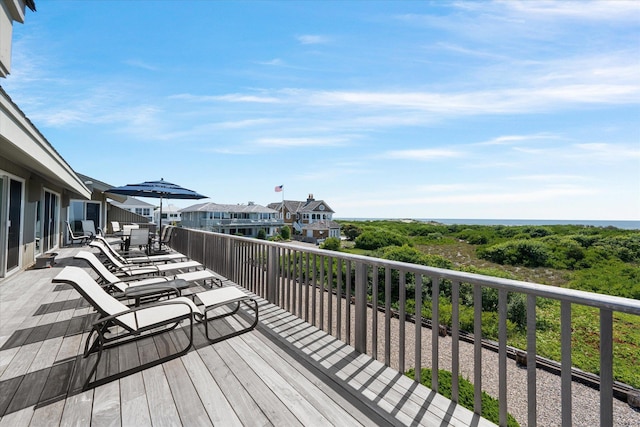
(336, 292)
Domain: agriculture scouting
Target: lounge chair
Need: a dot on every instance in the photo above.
(120, 288)
(135, 324)
(102, 244)
(142, 322)
(73, 237)
(127, 270)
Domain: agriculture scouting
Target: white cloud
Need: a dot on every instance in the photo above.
(312, 39)
(422, 154)
(513, 139)
(302, 142)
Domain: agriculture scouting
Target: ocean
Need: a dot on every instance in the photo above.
(626, 225)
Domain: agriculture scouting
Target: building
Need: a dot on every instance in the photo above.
(39, 191)
(170, 215)
(246, 220)
(311, 219)
(137, 206)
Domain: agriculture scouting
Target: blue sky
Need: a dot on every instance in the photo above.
(523, 110)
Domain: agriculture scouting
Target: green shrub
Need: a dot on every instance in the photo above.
(528, 253)
(331, 244)
(377, 239)
(490, 405)
(285, 232)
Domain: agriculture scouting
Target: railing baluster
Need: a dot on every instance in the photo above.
(455, 344)
(314, 290)
(374, 313)
(339, 301)
(330, 297)
(435, 332)
(606, 367)
(360, 294)
(418, 331)
(531, 362)
(307, 286)
(387, 316)
(300, 283)
(565, 346)
(322, 287)
(403, 317)
(347, 315)
(502, 356)
(477, 349)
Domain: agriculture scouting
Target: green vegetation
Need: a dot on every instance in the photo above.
(490, 408)
(595, 259)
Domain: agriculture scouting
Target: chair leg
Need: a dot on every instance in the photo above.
(235, 333)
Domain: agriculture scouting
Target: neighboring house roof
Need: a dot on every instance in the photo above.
(302, 206)
(217, 207)
(131, 202)
(321, 225)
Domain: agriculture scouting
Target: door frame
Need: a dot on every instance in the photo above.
(4, 221)
(56, 222)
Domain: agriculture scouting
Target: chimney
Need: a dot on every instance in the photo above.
(310, 198)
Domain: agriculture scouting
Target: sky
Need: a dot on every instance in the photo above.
(383, 109)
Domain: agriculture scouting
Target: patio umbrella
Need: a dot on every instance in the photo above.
(157, 190)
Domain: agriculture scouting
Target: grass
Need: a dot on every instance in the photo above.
(490, 405)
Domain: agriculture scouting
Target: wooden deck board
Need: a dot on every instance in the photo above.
(285, 372)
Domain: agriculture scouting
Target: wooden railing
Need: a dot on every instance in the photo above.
(336, 292)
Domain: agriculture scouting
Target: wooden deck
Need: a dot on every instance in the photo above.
(283, 373)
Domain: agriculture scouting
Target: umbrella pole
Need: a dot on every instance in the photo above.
(160, 227)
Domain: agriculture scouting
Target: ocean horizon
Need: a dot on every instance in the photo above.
(626, 225)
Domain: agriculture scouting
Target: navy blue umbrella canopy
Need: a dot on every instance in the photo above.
(158, 190)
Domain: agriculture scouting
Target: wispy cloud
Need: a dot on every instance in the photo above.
(514, 139)
(302, 142)
(312, 39)
(137, 63)
(422, 155)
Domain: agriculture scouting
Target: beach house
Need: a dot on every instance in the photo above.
(311, 219)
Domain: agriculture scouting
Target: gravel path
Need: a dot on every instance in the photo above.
(585, 403)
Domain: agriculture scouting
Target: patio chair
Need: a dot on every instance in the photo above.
(115, 228)
(89, 228)
(102, 244)
(165, 236)
(134, 323)
(120, 288)
(146, 321)
(73, 237)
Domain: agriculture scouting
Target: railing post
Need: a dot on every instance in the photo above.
(272, 274)
(361, 308)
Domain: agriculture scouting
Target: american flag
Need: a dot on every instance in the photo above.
(278, 188)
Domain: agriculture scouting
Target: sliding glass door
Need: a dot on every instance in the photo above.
(11, 209)
(50, 222)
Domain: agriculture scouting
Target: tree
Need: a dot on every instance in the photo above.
(351, 232)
